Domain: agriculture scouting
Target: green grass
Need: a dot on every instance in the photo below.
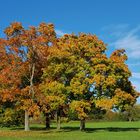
(70, 131)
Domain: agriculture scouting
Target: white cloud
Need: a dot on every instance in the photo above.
(60, 32)
(130, 41)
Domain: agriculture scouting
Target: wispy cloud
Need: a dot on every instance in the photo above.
(60, 32)
(116, 30)
(130, 41)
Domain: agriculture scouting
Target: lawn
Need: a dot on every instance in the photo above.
(70, 131)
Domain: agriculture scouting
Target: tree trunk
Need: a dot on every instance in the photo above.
(82, 124)
(58, 119)
(26, 121)
(130, 119)
(47, 121)
(31, 92)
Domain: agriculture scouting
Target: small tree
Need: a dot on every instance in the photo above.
(55, 93)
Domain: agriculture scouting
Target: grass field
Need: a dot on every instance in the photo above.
(70, 131)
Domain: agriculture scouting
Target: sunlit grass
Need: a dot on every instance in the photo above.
(70, 131)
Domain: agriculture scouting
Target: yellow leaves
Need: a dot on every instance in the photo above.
(100, 68)
(8, 115)
(118, 56)
(118, 59)
(98, 79)
(122, 97)
(105, 103)
(79, 84)
(81, 107)
(52, 88)
(56, 100)
(55, 94)
(79, 89)
(58, 52)
(84, 45)
(110, 81)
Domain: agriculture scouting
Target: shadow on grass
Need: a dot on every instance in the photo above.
(33, 128)
(92, 130)
(87, 130)
(111, 129)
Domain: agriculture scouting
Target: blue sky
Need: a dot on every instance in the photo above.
(116, 22)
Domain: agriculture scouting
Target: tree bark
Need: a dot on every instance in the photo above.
(82, 124)
(58, 119)
(47, 121)
(27, 128)
(31, 92)
(130, 119)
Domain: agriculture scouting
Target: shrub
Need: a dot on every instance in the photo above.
(10, 117)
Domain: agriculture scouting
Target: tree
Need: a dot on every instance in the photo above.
(55, 97)
(31, 46)
(71, 63)
(132, 113)
(91, 79)
(117, 90)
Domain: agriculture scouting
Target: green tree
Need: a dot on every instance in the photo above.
(55, 93)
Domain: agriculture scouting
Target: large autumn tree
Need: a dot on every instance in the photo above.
(80, 65)
(70, 63)
(31, 45)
